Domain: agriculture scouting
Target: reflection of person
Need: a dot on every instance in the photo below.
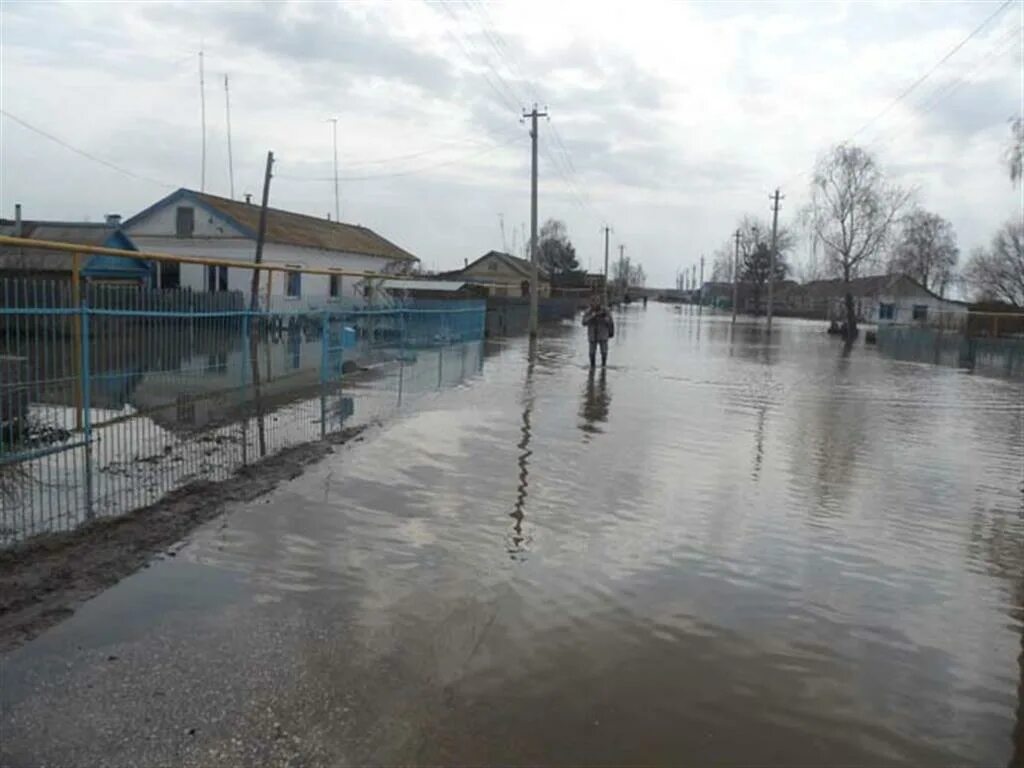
(600, 328)
(595, 402)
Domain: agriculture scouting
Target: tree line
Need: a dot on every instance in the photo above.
(859, 221)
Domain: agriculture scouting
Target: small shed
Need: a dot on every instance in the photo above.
(45, 264)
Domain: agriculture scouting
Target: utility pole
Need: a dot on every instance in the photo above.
(261, 235)
(735, 276)
(534, 280)
(202, 119)
(607, 229)
(700, 285)
(622, 269)
(771, 262)
(337, 205)
(227, 109)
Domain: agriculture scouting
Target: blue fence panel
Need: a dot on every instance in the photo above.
(106, 407)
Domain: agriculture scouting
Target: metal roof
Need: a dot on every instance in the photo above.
(422, 285)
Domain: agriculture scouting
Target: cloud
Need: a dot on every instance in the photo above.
(677, 118)
(330, 38)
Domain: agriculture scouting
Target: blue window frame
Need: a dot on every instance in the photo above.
(293, 284)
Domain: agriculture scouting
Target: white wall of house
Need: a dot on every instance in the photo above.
(314, 289)
(162, 222)
(919, 308)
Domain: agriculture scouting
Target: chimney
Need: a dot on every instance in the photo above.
(114, 220)
(465, 262)
(328, 216)
(17, 220)
(248, 198)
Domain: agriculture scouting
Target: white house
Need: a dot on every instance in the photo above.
(904, 301)
(882, 300)
(191, 223)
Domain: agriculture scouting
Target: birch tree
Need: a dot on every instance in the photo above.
(852, 213)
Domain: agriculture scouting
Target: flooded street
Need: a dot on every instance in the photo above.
(725, 548)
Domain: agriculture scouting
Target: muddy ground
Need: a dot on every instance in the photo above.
(44, 579)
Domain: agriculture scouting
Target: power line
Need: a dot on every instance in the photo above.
(82, 152)
(564, 158)
(949, 54)
(913, 86)
(409, 172)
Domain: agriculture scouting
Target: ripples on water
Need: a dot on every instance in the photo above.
(725, 548)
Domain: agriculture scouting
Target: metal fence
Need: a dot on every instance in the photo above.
(109, 403)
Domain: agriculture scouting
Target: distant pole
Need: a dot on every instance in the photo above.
(771, 261)
(606, 231)
(700, 284)
(534, 279)
(735, 276)
(261, 235)
(622, 269)
(227, 109)
(337, 204)
(202, 120)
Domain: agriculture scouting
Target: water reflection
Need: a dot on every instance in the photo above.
(840, 583)
(596, 401)
(518, 540)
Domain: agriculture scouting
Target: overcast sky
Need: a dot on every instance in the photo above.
(668, 120)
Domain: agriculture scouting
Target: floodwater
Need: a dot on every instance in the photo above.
(726, 548)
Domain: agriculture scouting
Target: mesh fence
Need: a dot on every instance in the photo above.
(108, 406)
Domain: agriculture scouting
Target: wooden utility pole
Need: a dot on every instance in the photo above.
(735, 276)
(260, 236)
(771, 261)
(606, 232)
(534, 279)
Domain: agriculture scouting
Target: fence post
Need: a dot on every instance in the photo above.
(76, 333)
(324, 345)
(86, 405)
(403, 330)
(246, 319)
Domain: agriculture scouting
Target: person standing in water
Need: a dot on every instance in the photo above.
(600, 328)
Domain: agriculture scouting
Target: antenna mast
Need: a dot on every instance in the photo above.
(202, 108)
(231, 165)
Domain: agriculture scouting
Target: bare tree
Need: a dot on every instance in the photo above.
(626, 274)
(813, 267)
(997, 273)
(851, 213)
(721, 264)
(926, 250)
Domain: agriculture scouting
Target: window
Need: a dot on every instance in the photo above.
(293, 283)
(334, 289)
(886, 311)
(216, 279)
(185, 221)
(493, 266)
(920, 311)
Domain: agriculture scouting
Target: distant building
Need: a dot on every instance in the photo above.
(502, 274)
(879, 299)
(57, 265)
(191, 223)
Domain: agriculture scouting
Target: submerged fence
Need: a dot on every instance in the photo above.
(110, 402)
